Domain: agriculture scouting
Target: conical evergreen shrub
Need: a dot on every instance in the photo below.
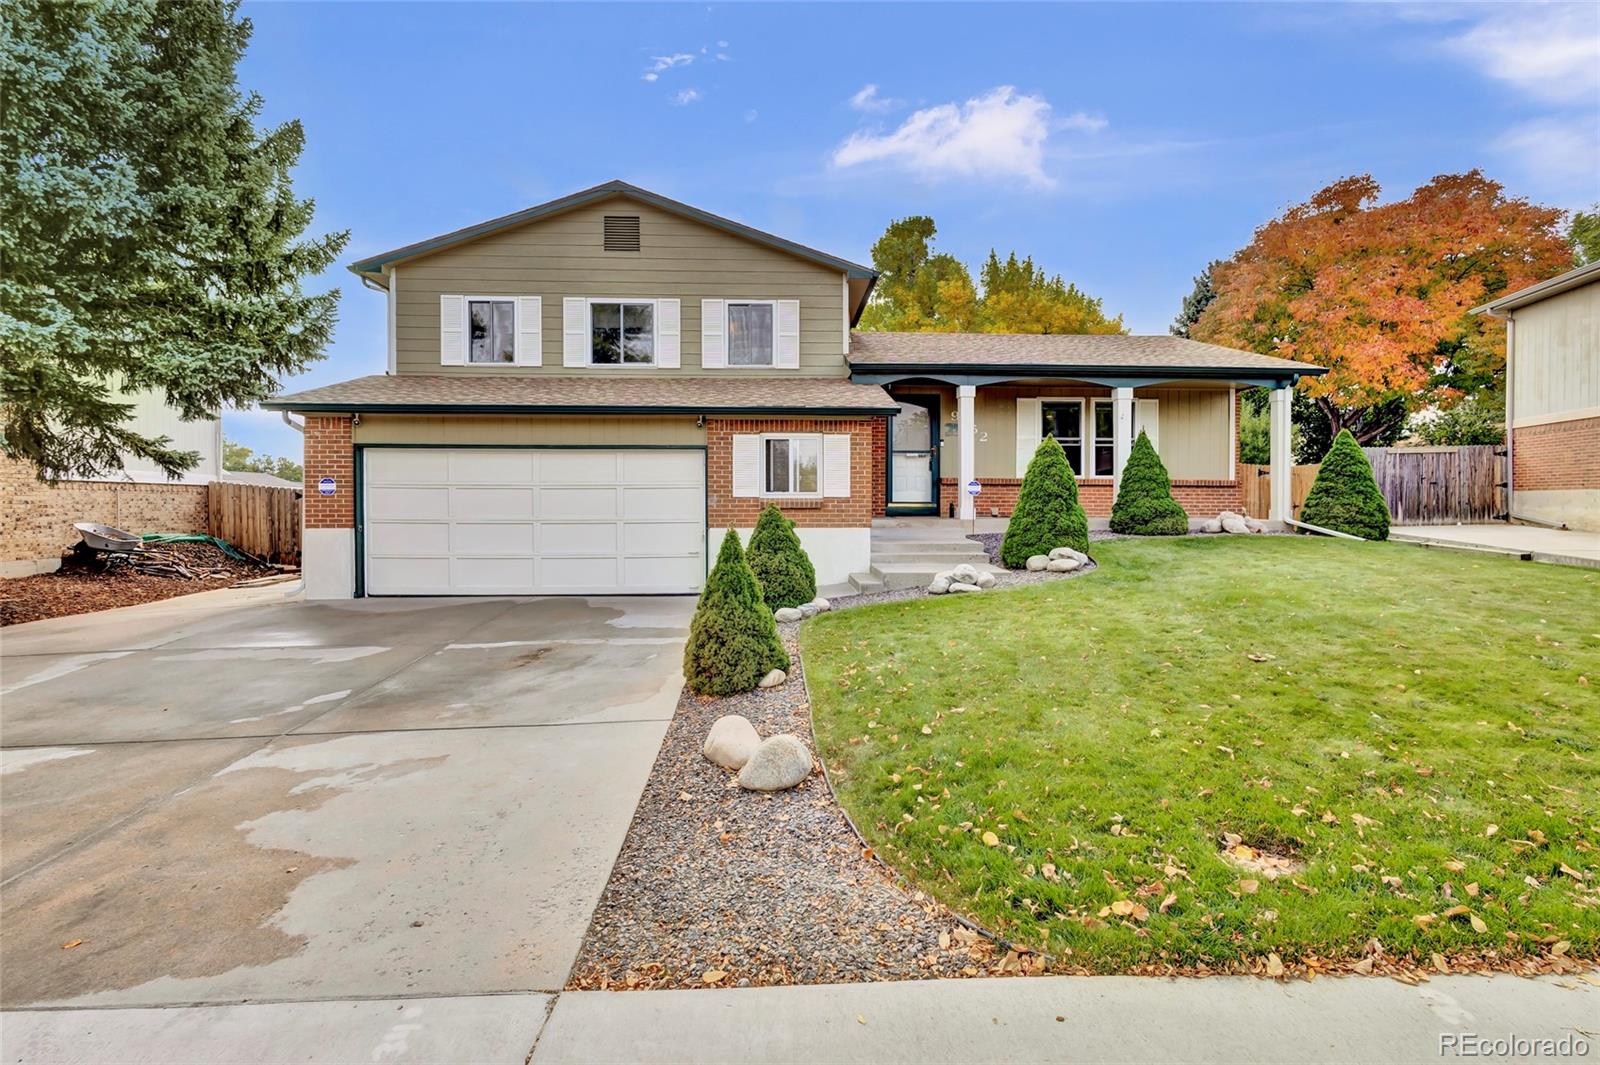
(1144, 505)
(1345, 495)
(733, 641)
(1048, 514)
(779, 562)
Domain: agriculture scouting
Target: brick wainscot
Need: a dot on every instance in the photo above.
(329, 549)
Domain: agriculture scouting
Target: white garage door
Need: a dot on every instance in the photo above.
(491, 521)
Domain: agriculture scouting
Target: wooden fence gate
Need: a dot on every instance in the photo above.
(1422, 485)
(256, 518)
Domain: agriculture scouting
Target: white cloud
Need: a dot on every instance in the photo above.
(686, 96)
(867, 99)
(999, 134)
(1083, 122)
(1554, 150)
(1549, 51)
(666, 62)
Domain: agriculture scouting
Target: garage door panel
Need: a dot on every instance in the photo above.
(492, 466)
(578, 467)
(492, 504)
(442, 521)
(664, 504)
(580, 538)
(662, 538)
(492, 538)
(499, 575)
(405, 466)
(408, 538)
(408, 504)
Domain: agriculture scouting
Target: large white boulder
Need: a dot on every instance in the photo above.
(1068, 552)
(985, 581)
(786, 613)
(1037, 562)
(966, 573)
(807, 610)
(731, 741)
(939, 585)
(963, 586)
(1062, 565)
(1212, 526)
(1232, 523)
(773, 678)
(822, 605)
(779, 762)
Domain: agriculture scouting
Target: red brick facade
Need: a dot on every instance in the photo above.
(330, 452)
(866, 473)
(880, 461)
(1199, 498)
(1557, 456)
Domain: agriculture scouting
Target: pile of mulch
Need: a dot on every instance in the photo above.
(720, 887)
(88, 582)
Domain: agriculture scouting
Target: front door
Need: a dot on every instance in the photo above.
(913, 467)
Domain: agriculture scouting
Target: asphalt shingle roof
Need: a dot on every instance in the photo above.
(1059, 350)
(624, 393)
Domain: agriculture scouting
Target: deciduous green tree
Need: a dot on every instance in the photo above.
(150, 237)
(1584, 236)
(237, 457)
(1018, 297)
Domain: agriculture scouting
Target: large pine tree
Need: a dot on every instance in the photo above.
(150, 238)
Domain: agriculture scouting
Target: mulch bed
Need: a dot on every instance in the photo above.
(86, 584)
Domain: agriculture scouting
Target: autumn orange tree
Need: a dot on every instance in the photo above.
(1381, 294)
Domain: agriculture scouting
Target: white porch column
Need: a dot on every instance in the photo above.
(966, 425)
(1278, 438)
(1121, 434)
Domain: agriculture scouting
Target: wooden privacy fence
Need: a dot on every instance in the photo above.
(257, 518)
(1422, 485)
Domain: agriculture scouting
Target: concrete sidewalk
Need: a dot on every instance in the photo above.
(1566, 547)
(1068, 1019)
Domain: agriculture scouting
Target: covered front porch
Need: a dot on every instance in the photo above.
(971, 410)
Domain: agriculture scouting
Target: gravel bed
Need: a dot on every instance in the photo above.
(991, 541)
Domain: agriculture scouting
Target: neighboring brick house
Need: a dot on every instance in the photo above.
(579, 396)
(1553, 397)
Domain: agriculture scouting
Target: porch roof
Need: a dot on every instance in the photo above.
(976, 358)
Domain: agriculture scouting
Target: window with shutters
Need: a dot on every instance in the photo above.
(491, 330)
(622, 332)
(1104, 446)
(1064, 421)
(791, 465)
(622, 232)
(750, 332)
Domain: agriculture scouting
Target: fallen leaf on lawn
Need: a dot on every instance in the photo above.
(1364, 967)
(713, 976)
(1166, 903)
(927, 731)
(1423, 920)
(1556, 950)
(1049, 872)
(1439, 962)
(1537, 836)
(1472, 889)
(1274, 965)
(991, 840)
(1249, 886)
(1455, 911)
(74, 943)
(1565, 868)
(1455, 866)
(1490, 830)
(1122, 907)
(1478, 924)
(1260, 656)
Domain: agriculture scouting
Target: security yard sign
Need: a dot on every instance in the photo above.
(327, 486)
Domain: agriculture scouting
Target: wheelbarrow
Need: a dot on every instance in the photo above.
(106, 538)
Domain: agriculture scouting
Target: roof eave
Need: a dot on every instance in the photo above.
(1068, 370)
(289, 403)
(1538, 293)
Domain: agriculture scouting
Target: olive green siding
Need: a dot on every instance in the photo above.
(562, 256)
(1193, 438)
(548, 429)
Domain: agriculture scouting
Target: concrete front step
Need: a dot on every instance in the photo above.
(917, 574)
(865, 583)
(935, 556)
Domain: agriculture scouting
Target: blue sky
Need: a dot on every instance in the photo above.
(1122, 145)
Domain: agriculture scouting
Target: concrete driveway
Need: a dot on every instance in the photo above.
(235, 796)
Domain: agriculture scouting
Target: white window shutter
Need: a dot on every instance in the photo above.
(668, 334)
(452, 330)
(836, 464)
(1030, 430)
(713, 334)
(1147, 416)
(530, 331)
(574, 331)
(746, 465)
(786, 349)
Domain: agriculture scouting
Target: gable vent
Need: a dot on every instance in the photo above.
(622, 232)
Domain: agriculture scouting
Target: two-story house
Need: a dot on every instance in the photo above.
(579, 395)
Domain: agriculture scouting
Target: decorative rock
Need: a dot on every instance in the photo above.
(1255, 526)
(807, 610)
(779, 762)
(1232, 523)
(773, 679)
(939, 585)
(731, 741)
(985, 581)
(963, 586)
(1037, 562)
(966, 573)
(786, 613)
(1062, 565)
(1066, 552)
(822, 605)
(1212, 526)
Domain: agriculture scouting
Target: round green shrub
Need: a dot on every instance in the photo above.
(1345, 496)
(779, 562)
(733, 641)
(1144, 504)
(1048, 514)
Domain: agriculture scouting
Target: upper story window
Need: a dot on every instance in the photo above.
(1064, 421)
(750, 332)
(491, 330)
(622, 332)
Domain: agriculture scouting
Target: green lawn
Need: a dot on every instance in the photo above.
(1420, 729)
